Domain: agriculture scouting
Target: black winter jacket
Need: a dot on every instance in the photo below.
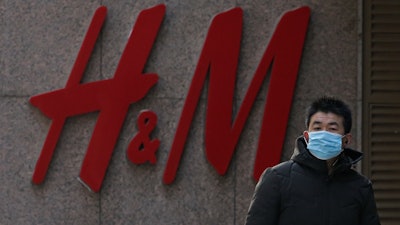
(300, 192)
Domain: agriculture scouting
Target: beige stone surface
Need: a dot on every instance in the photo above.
(39, 42)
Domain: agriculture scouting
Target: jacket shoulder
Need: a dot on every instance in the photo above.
(359, 178)
(284, 168)
(277, 172)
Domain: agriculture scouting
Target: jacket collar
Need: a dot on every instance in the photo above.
(302, 156)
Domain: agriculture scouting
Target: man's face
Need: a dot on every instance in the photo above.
(328, 122)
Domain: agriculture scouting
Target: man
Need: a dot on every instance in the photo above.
(318, 185)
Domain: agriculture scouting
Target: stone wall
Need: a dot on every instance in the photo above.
(39, 42)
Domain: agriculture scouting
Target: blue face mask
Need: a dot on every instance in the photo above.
(324, 145)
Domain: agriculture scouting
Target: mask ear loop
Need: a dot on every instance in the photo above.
(305, 140)
(346, 142)
(304, 137)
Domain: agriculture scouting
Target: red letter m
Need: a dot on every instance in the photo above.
(219, 59)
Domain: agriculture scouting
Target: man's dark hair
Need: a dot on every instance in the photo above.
(333, 105)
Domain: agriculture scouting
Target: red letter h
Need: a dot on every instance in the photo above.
(111, 97)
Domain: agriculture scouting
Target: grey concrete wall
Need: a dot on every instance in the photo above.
(39, 41)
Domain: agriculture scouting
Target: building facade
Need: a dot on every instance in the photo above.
(350, 50)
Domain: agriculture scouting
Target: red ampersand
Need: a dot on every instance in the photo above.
(142, 148)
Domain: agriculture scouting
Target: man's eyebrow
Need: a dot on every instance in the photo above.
(334, 123)
(330, 123)
(316, 122)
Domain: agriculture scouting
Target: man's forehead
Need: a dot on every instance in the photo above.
(326, 118)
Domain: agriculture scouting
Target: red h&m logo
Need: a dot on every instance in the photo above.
(218, 60)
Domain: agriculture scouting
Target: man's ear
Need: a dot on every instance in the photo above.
(305, 134)
(347, 139)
